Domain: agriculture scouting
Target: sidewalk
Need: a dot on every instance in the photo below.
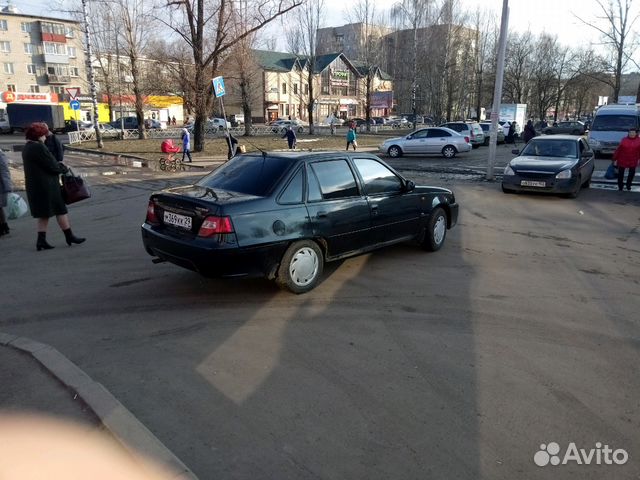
(36, 378)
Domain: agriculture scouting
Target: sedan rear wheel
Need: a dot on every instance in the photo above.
(436, 230)
(394, 151)
(301, 267)
(449, 151)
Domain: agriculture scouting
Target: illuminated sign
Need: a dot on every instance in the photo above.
(26, 97)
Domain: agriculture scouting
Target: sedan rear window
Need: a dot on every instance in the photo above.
(251, 175)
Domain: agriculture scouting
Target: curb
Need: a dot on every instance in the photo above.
(120, 422)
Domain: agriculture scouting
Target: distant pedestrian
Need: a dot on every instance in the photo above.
(543, 124)
(186, 145)
(42, 179)
(351, 138)
(627, 155)
(54, 145)
(5, 188)
(232, 144)
(529, 131)
(290, 135)
(173, 121)
(511, 135)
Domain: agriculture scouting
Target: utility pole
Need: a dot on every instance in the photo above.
(92, 78)
(119, 80)
(497, 92)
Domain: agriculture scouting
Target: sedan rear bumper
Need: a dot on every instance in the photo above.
(213, 259)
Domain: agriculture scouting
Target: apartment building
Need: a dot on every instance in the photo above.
(40, 57)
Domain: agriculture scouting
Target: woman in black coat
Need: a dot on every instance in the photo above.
(42, 179)
(529, 132)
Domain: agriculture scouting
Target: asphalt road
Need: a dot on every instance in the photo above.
(402, 364)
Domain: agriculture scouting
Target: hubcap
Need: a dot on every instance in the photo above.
(304, 266)
(439, 229)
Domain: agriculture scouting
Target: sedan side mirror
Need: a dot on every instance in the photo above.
(409, 186)
(409, 137)
(515, 151)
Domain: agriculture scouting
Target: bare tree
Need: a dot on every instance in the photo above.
(302, 40)
(483, 25)
(618, 20)
(518, 67)
(136, 29)
(210, 28)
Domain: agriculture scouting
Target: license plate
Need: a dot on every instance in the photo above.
(181, 221)
(531, 183)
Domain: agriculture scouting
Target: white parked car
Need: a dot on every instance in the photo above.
(433, 140)
(219, 123)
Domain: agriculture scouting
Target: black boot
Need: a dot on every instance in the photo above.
(42, 242)
(4, 229)
(71, 238)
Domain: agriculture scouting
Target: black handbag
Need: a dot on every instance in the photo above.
(73, 188)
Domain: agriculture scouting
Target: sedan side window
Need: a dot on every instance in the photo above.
(377, 178)
(336, 179)
(293, 192)
(437, 133)
(420, 134)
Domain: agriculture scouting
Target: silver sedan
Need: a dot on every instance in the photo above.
(434, 140)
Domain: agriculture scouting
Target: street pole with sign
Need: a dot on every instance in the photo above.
(219, 91)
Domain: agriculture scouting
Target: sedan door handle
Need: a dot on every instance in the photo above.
(321, 214)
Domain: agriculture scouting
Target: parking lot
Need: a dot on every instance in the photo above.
(521, 331)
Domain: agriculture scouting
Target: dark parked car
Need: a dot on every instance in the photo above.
(284, 215)
(570, 128)
(558, 164)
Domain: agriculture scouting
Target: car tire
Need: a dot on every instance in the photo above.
(436, 230)
(449, 151)
(301, 267)
(576, 191)
(300, 130)
(394, 151)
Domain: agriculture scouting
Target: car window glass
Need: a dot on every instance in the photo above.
(293, 192)
(437, 132)
(248, 174)
(313, 187)
(377, 178)
(420, 134)
(335, 178)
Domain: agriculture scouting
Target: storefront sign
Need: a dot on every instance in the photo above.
(28, 97)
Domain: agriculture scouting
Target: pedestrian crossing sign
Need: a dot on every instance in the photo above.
(218, 86)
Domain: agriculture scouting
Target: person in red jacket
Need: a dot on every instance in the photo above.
(626, 156)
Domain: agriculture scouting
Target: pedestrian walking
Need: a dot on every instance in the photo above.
(42, 179)
(232, 144)
(351, 138)
(54, 145)
(290, 135)
(186, 145)
(511, 135)
(173, 121)
(627, 156)
(529, 131)
(5, 188)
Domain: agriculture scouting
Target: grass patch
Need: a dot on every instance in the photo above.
(214, 147)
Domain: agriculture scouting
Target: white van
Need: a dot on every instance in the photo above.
(610, 125)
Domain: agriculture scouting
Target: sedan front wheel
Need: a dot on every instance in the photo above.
(301, 267)
(436, 230)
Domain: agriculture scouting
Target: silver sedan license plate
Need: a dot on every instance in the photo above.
(531, 183)
(181, 221)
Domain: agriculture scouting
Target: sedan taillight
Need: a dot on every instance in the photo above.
(466, 139)
(215, 225)
(152, 218)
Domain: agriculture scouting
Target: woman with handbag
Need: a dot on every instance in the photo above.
(626, 156)
(5, 188)
(42, 178)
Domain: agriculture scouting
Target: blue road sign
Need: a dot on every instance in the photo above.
(218, 86)
(74, 104)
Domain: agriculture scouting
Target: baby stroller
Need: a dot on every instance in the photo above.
(168, 162)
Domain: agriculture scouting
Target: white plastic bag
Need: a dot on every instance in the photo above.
(16, 206)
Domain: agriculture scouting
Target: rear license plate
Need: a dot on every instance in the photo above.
(530, 183)
(181, 221)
